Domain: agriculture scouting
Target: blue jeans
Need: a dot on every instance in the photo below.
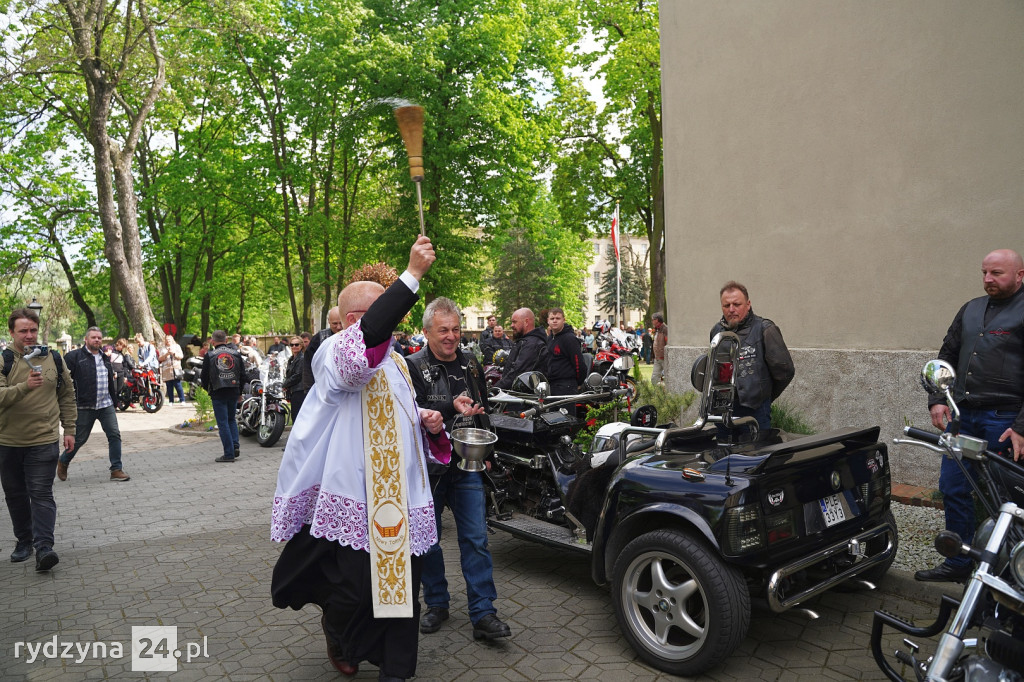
(27, 476)
(463, 492)
(227, 426)
(172, 386)
(954, 486)
(107, 417)
(762, 414)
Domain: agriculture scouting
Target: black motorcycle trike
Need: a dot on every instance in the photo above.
(686, 528)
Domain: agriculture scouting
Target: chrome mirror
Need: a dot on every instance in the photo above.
(543, 390)
(527, 382)
(938, 376)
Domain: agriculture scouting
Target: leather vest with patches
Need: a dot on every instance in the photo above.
(753, 381)
(439, 395)
(990, 371)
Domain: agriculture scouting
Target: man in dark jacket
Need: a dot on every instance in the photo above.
(646, 345)
(450, 381)
(565, 356)
(334, 324)
(223, 370)
(292, 383)
(529, 348)
(764, 367)
(986, 345)
(95, 395)
(493, 343)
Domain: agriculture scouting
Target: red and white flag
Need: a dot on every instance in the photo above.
(615, 241)
(615, 232)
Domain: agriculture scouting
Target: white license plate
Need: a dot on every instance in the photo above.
(832, 509)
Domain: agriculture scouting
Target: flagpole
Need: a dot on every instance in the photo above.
(618, 271)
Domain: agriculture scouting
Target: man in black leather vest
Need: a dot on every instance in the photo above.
(221, 376)
(986, 345)
(764, 367)
(452, 382)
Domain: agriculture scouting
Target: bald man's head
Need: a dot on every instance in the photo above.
(1002, 273)
(356, 299)
(523, 322)
(334, 319)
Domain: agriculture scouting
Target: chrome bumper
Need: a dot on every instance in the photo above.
(854, 546)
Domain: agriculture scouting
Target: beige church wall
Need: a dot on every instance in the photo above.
(851, 163)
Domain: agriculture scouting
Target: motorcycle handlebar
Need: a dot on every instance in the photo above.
(921, 434)
(567, 399)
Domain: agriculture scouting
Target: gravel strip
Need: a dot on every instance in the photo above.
(917, 527)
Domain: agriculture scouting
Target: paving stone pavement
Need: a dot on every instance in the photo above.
(185, 543)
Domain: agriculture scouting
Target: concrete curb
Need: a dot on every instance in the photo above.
(195, 433)
(902, 584)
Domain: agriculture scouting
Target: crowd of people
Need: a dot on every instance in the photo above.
(367, 471)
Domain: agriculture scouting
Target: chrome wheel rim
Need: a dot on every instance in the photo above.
(665, 606)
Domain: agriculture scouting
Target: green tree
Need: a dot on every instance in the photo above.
(99, 69)
(615, 154)
(632, 292)
(485, 73)
(537, 265)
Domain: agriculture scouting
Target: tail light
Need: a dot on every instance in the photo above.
(743, 529)
(724, 372)
(780, 527)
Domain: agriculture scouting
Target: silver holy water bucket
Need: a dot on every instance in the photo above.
(473, 446)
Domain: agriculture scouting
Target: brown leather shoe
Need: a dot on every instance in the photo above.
(334, 656)
(119, 476)
(62, 470)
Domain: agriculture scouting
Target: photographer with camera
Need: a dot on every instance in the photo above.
(37, 396)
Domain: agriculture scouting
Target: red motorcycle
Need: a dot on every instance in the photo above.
(611, 346)
(141, 386)
(493, 371)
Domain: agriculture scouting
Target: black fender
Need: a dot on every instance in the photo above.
(609, 544)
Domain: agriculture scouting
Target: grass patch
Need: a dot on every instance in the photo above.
(790, 419)
(669, 405)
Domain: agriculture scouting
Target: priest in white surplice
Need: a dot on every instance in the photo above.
(353, 500)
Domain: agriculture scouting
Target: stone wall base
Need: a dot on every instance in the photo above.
(841, 388)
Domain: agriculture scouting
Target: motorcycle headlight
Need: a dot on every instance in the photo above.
(981, 537)
(1017, 564)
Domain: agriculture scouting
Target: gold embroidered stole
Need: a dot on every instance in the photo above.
(387, 498)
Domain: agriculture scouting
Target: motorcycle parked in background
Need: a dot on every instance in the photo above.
(991, 609)
(613, 345)
(193, 369)
(264, 409)
(141, 386)
(494, 370)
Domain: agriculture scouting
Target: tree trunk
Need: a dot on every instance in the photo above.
(76, 291)
(656, 229)
(102, 73)
(123, 330)
(241, 303)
